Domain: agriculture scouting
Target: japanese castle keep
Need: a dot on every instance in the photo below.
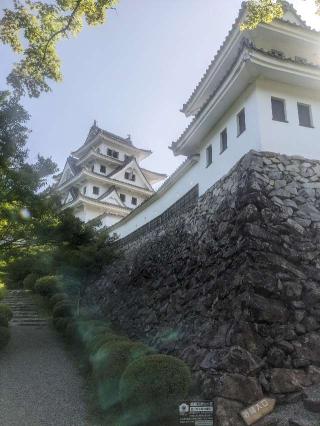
(261, 92)
(103, 178)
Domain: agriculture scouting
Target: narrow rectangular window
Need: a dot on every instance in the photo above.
(305, 117)
(122, 197)
(134, 201)
(96, 190)
(133, 178)
(127, 175)
(109, 152)
(115, 154)
(208, 155)
(85, 190)
(103, 169)
(241, 121)
(278, 110)
(223, 141)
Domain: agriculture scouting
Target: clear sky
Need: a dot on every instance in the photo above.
(132, 75)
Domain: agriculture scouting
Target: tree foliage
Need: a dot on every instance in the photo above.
(33, 28)
(265, 11)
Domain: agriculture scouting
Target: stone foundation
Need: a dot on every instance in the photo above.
(232, 287)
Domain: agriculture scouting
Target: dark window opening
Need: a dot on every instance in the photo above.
(278, 110)
(109, 152)
(85, 190)
(223, 141)
(241, 118)
(122, 197)
(304, 112)
(130, 176)
(115, 154)
(95, 190)
(103, 169)
(209, 155)
(134, 201)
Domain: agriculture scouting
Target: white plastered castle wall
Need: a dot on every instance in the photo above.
(221, 164)
(288, 138)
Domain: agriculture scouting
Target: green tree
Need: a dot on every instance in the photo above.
(265, 11)
(33, 28)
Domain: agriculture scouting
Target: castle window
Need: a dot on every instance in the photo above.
(134, 201)
(209, 155)
(123, 198)
(223, 141)
(109, 152)
(115, 154)
(85, 190)
(241, 121)
(103, 169)
(130, 176)
(305, 117)
(278, 110)
(96, 190)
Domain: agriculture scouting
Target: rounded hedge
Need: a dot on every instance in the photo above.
(108, 337)
(5, 312)
(152, 387)
(61, 323)
(30, 281)
(4, 337)
(48, 286)
(108, 365)
(62, 309)
(56, 298)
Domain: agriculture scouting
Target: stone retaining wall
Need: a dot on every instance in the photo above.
(233, 286)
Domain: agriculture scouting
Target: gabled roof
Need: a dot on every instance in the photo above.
(95, 131)
(236, 28)
(108, 193)
(130, 162)
(71, 163)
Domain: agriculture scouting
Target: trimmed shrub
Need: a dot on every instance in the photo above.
(109, 363)
(95, 344)
(48, 286)
(61, 323)
(56, 298)
(3, 290)
(5, 312)
(4, 322)
(4, 337)
(62, 309)
(30, 281)
(152, 387)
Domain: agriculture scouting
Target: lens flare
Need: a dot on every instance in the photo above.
(25, 214)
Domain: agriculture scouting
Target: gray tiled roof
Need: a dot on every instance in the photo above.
(286, 6)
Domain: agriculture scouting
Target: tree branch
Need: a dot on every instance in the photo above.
(62, 30)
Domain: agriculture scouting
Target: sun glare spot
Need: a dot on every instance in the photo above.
(25, 214)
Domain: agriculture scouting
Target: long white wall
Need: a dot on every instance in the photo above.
(262, 133)
(199, 173)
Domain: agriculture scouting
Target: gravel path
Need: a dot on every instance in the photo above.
(39, 383)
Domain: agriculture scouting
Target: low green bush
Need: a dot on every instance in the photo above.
(5, 312)
(56, 298)
(48, 286)
(30, 281)
(108, 365)
(4, 337)
(61, 323)
(152, 387)
(108, 337)
(62, 309)
(3, 290)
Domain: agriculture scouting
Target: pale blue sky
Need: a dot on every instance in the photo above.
(132, 75)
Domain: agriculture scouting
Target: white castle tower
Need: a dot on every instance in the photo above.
(261, 92)
(103, 179)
